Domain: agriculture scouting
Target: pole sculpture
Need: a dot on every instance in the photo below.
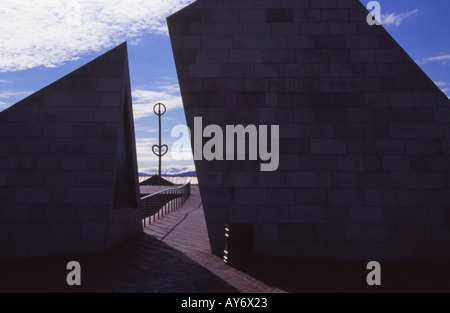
(159, 150)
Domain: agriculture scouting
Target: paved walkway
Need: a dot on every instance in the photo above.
(185, 231)
(172, 255)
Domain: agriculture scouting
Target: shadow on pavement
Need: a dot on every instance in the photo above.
(344, 276)
(143, 264)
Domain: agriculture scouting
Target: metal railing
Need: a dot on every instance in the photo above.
(162, 202)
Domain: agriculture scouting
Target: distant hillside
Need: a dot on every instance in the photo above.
(193, 173)
(185, 174)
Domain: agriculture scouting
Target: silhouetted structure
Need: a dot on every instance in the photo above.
(159, 150)
(156, 180)
(364, 134)
(68, 170)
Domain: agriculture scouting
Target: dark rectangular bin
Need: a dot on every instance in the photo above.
(238, 244)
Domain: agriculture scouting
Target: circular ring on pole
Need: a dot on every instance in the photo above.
(160, 151)
(157, 109)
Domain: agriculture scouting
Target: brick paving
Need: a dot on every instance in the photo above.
(185, 231)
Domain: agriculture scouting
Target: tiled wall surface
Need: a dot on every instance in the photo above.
(364, 133)
(58, 160)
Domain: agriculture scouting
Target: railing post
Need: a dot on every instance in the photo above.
(177, 197)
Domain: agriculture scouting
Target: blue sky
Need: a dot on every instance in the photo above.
(44, 40)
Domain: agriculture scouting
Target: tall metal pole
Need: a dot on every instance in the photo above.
(159, 150)
(160, 156)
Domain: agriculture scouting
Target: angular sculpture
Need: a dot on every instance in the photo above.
(364, 169)
(68, 170)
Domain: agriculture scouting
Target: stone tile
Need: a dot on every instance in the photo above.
(242, 214)
(256, 29)
(380, 197)
(328, 146)
(94, 231)
(242, 42)
(341, 251)
(372, 251)
(250, 196)
(212, 42)
(280, 197)
(258, 16)
(378, 233)
(212, 56)
(245, 56)
(272, 214)
(205, 70)
(302, 179)
(314, 28)
(110, 84)
(305, 214)
(272, 179)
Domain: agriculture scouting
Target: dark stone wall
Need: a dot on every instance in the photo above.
(59, 152)
(364, 133)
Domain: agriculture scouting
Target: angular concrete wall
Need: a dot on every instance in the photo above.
(59, 155)
(364, 133)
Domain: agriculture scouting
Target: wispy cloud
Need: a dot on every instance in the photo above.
(145, 129)
(144, 99)
(2, 81)
(11, 97)
(397, 18)
(445, 87)
(14, 94)
(49, 33)
(439, 58)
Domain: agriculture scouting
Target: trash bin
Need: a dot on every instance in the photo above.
(238, 244)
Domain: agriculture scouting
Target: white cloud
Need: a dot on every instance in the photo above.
(2, 81)
(144, 100)
(49, 33)
(439, 58)
(444, 86)
(11, 97)
(14, 94)
(397, 19)
(146, 130)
